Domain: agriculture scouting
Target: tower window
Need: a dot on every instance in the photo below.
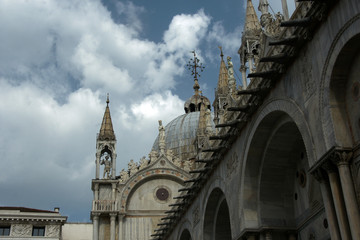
(38, 231)
(4, 230)
(192, 107)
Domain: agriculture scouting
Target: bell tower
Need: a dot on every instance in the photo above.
(105, 147)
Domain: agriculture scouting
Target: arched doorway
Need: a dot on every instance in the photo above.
(217, 219)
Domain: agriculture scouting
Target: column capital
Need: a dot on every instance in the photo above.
(341, 157)
(95, 215)
(243, 68)
(112, 215)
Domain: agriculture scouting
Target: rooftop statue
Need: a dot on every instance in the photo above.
(107, 167)
(161, 137)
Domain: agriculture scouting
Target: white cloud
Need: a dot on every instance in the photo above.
(157, 107)
(186, 31)
(98, 70)
(131, 13)
(58, 59)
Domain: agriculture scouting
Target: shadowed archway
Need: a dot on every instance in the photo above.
(277, 188)
(217, 219)
(185, 235)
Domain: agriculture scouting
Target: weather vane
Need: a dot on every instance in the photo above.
(194, 65)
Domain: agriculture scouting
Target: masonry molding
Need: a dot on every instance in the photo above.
(342, 37)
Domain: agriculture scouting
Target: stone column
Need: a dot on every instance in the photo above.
(352, 209)
(113, 192)
(285, 9)
(338, 201)
(121, 231)
(321, 177)
(112, 225)
(96, 226)
(250, 60)
(96, 191)
(97, 162)
(113, 167)
(243, 76)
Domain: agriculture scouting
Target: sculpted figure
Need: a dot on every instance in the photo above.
(169, 154)
(133, 168)
(161, 137)
(124, 176)
(270, 24)
(187, 165)
(177, 162)
(143, 163)
(107, 167)
(208, 121)
(153, 156)
(263, 6)
(230, 67)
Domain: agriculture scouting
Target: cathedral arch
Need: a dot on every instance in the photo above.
(143, 177)
(184, 232)
(339, 91)
(185, 235)
(216, 220)
(277, 156)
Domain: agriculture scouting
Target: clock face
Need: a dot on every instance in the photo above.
(162, 194)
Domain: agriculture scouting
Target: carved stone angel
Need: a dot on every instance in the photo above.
(133, 168)
(124, 176)
(143, 163)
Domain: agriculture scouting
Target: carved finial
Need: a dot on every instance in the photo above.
(194, 65)
(221, 52)
(107, 99)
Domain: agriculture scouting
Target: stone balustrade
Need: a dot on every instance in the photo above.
(105, 205)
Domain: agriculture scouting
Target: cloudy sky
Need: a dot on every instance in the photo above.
(59, 59)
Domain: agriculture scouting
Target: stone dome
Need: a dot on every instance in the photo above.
(180, 135)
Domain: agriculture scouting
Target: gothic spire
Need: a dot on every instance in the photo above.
(106, 130)
(223, 75)
(251, 21)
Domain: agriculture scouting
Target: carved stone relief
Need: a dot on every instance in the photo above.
(308, 81)
(196, 215)
(124, 176)
(21, 230)
(271, 24)
(52, 231)
(231, 164)
(143, 163)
